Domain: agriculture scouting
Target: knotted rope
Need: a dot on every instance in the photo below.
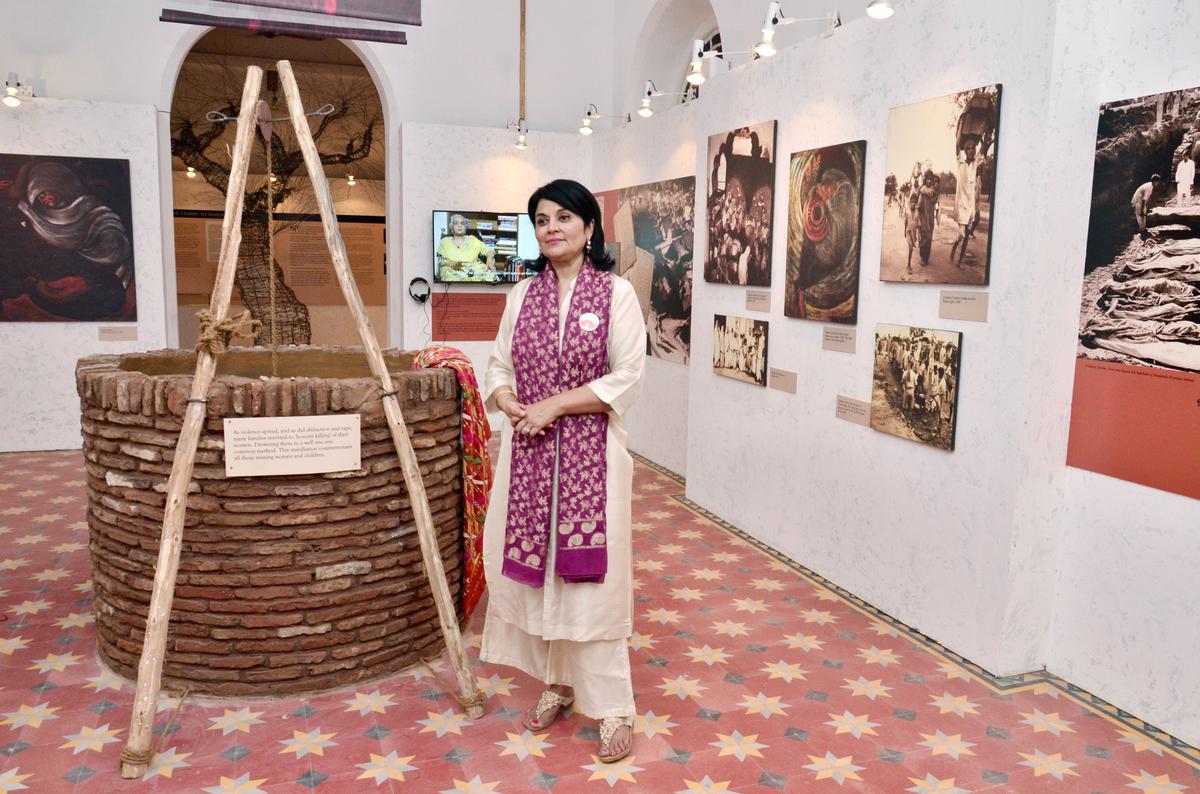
(215, 336)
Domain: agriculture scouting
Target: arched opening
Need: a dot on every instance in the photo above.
(664, 46)
(284, 278)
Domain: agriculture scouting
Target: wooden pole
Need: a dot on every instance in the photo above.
(470, 697)
(137, 755)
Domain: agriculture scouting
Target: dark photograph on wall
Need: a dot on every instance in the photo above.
(940, 189)
(654, 228)
(740, 348)
(914, 392)
(1137, 368)
(741, 200)
(66, 240)
(825, 190)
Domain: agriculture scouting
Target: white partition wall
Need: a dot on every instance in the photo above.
(468, 168)
(38, 359)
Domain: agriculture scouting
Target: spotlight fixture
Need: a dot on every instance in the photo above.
(522, 129)
(765, 47)
(275, 179)
(648, 93)
(880, 9)
(349, 180)
(589, 113)
(695, 75)
(14, 92)
(191, 172)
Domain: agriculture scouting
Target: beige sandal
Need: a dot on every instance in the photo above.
(608, 729)
(550, 701)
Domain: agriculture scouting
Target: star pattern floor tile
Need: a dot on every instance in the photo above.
(752, 674)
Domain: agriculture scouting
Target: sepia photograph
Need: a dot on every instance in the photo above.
(940, 189)
(740, 348)
(653, 228)
(825, 192)
(1141, 283)
(740, 202)
(1137, 361)
(914, 392)
(66, 240)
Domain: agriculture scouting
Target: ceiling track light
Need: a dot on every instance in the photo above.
(590, 113)
(350, 180)
(15, 92)
(191, 172)
(649, 92)
(765, 47)
(880, 9)
(522, 134)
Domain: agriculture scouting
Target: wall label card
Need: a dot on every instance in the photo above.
(263, 446)
(958, 305)
(838, 339)
(782, 380)
(758, 300)
(852, 410)
(118, 333)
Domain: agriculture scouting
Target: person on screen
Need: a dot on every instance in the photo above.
(567, 364)
(464, 257)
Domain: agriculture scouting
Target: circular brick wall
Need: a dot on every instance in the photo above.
(286, 584)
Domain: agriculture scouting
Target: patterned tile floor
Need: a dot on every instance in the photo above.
(752, 675)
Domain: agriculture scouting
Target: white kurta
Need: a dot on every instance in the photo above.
(522, 619)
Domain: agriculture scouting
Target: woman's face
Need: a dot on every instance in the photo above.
(561, 234)
(458, 226)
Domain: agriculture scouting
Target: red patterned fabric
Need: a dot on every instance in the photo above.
(578, 442)
(477, 465)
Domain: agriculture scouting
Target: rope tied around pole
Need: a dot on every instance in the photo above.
(215, 336)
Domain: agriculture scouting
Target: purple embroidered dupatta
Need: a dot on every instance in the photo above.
(577, 442)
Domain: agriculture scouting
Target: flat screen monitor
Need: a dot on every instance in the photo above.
(471, 247)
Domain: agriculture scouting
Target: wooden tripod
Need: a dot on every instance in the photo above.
(137, 755)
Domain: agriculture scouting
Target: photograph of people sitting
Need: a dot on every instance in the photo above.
(464, 257)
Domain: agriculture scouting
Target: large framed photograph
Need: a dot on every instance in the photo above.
(939, 191)
(740, 348)
(741, 202)
(653, 229)
(914, 392)
(66, 240)
(825, 191)
(1137, 368)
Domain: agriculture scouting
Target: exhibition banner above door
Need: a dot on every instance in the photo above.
(304, 18)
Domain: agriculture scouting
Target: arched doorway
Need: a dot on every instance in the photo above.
(307, 306)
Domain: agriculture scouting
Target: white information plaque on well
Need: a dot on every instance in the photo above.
(263, 446)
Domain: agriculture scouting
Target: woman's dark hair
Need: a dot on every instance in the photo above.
(573, 196)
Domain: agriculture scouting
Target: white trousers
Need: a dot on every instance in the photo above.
(598, 670)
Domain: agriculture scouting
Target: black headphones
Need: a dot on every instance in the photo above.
(418, 289)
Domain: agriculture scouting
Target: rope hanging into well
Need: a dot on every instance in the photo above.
(215, 336)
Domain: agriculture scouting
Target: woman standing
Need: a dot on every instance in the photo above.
(557, 542)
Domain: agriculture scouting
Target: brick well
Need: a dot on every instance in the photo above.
(286, 584)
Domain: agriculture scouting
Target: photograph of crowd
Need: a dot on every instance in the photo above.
(914, 392)
(1141, 284)
(741, 200)
(825, 190)
(66, 240)
(740, 348)
(939, 189)
(654, 228)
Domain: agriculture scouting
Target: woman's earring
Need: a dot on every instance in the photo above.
(587, 247)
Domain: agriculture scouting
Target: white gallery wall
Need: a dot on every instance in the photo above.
(38, 359)
(997, 550)
(468, 168)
